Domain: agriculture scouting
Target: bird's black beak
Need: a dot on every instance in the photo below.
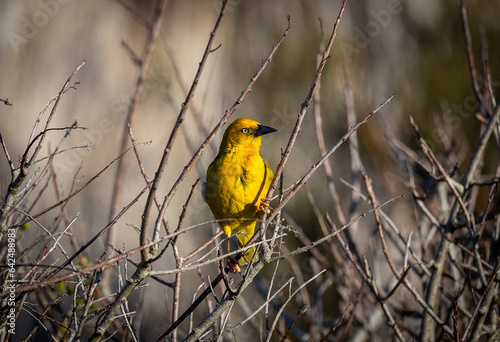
(261, 130)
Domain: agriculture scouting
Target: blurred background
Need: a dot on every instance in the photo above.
(414, 49)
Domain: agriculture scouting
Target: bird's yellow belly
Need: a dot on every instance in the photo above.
(236, 198)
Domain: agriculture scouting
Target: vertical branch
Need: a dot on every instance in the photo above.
(373, 200)
(143, 63)
(470, 57)
(4, 147)
(178, 263)
(322, 146)
(488, 87)
(357, 167)
(168, 147)
(296, 129)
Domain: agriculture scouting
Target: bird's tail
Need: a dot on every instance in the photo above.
(243, 238)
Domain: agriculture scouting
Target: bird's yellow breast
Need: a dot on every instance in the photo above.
(236, 183)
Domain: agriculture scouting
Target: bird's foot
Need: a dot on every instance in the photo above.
(232, 265)
(264, 206)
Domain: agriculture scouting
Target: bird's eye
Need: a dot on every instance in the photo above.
(245, 130)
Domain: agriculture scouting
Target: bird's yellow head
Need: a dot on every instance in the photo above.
(244, 134)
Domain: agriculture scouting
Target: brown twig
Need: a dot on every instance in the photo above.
(481, 311)
(102, 231)
(488, 87)
(278, 314)
(373, 200)
(200, 248)
(357, 167)
(331, 235)
(136, 264)
(432, 158)
(178, 263)
(147, 179)
(318, 120)
(304, 107)
(470, 58)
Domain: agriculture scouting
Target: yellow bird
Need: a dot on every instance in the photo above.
(237, 180)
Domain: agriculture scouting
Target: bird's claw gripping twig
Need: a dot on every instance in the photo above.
(264, 206)
(232, 265)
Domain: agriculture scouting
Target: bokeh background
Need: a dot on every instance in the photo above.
(412, 48)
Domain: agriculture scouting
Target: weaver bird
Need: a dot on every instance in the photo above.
(237, 181)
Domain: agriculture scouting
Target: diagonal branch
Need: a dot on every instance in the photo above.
(168, 147)
(143, 63)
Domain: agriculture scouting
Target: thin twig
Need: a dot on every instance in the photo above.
(73, 194)
(304, 107)
(278, 314)
(19, 175)
(331, 235)
(470, 57)
(178, 263)
(325, 157)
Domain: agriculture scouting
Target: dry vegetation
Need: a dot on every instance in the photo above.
(381, 227)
